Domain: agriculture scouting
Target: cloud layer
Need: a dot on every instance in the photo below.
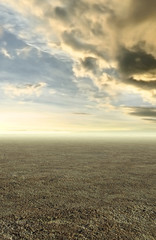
(109, 43)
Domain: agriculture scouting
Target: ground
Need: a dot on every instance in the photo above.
(77, 189)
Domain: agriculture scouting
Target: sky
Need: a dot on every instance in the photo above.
(77, 66)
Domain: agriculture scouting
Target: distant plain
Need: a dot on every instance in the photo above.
(53, 188)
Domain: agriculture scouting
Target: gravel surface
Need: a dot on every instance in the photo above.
(65, 189)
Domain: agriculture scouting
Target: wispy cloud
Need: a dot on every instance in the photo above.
(24, 52)
(143, 111)
(22, 90)
(81, 113)
(5, 53)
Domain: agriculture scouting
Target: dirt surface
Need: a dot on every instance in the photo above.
(68, 189)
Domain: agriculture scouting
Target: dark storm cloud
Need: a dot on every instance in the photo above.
(61, 13)
(146, 113)
(136, 13)
(137, 62)
(142, 10)
(132, 62)
(132, 58)
(90, 63)
(146, 85)
(134, 30)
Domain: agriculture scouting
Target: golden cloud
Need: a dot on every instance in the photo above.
(100, 35)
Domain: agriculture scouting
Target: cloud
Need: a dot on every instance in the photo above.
(143, 111)
(99, 35)
(5, 53)
(24, 90)
(24, 52)
(90, 63)
(142, 11)
(135, 62)
(61, 13)
(146, 113)
(150, 119)
(137, 68)
(81, 113)
(147, 85)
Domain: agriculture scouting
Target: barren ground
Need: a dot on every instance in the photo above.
(68, 189)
